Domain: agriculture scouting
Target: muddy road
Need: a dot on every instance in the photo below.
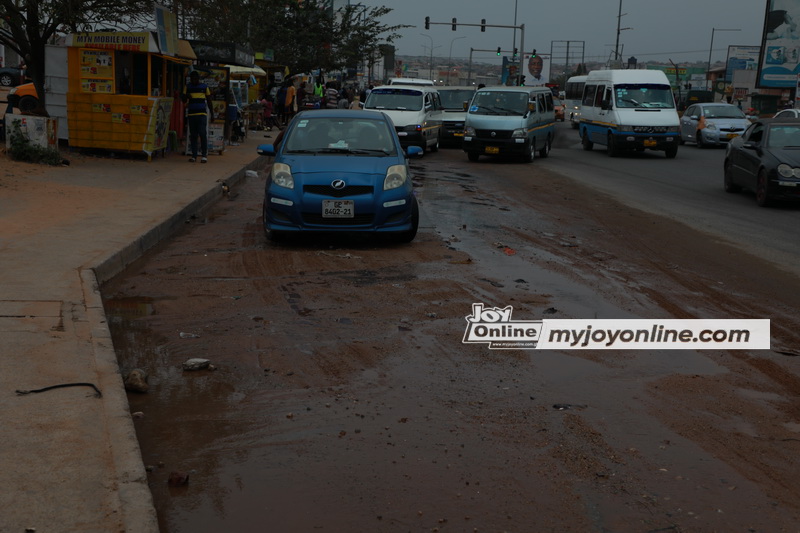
(343, 399)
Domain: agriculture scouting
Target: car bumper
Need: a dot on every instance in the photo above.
(646, 142)
(390, 213)
(719, 137)
(494, 146)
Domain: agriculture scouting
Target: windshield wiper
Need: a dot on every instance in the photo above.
(303, 151)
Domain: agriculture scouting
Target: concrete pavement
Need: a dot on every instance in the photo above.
(70, 461)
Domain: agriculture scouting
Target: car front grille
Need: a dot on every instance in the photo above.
(318, 220)
(327, 190)
(501, 134)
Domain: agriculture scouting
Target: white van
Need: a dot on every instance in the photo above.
(629, 109)
(455, 100)
(410, 81)
(416, 112)
(510, 121)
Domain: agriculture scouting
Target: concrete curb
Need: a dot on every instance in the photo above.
(133, 491)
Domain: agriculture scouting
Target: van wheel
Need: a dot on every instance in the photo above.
(544, 152)
(473, 156)
(27, 104)
(587, 144)
(728, 182)
(611, 147)
(671, 151)
(435, 147)
(530, 153)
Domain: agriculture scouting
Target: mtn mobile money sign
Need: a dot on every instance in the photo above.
(494, 326)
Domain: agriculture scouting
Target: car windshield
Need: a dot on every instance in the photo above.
(783, 136)
(327, 135)
(453, 99)
(499, 103)
(394, 99)
(723, 111)
(644, 95)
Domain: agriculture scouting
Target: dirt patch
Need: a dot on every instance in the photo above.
(345, 400)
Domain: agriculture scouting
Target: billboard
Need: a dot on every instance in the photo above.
(537, 69)
(741, 58)
(780, 45)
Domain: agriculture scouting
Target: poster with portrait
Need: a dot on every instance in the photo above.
(537, 69)
(780, 44)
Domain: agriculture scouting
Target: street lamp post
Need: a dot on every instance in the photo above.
(710, 48)
(450, 58)
(430, 65)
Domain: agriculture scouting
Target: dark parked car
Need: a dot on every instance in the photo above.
(338, 170)
(766, 160)
(11, 76)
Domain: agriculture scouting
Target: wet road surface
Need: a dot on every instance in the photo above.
(344, 400)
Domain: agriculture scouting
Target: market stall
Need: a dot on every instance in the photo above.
(122, 89)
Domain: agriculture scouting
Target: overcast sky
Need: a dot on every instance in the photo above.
(660, 30)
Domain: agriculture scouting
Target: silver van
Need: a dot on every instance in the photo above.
(415, 110)
(510, 121)
(455, 101)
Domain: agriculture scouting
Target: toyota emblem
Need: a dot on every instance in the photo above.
(493, 134)
(338, 184)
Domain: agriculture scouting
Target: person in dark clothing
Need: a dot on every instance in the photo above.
(199, 110)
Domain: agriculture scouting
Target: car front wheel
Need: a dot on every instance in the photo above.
(585, 142)
(5, 80)
(28, 104)
(545, 151)
(728, 183)
(408, 235)
(762, 196)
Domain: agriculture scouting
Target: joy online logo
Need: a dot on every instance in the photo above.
(493, 325)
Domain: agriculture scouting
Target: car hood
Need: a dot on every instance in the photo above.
(451, 116)
(330, 165)
(790, 156)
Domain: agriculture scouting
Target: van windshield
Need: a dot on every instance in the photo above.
(499, 103)
(394, 99)
(644, 95)
(453, 99)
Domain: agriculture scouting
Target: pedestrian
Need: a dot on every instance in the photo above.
(356, 104)
(331, 96)
(291, 100)
(268, 118)
(344, 99)
(199, 111)
(280, 103)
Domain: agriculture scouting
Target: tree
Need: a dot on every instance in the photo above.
(31, 24)
(304, 36)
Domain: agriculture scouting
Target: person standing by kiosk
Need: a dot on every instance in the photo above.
(199, 109)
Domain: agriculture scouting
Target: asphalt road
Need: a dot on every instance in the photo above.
(345, 400)
(687, 189)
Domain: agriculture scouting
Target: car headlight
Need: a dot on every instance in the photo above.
(413, 127)
(396, 176)
(711, 126)
(281, 175)
(469, 131)
(787, 171)
(520, 133)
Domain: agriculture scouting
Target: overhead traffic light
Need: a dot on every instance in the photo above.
(498, 50)
(534, 53)
(521, 81)
(483, 24)
(427, 23)
(454, 24)
(515, 53)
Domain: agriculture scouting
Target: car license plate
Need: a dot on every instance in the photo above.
(732, 135)
(458, 135)
(338, 208)
(649, 143)
(492, 150)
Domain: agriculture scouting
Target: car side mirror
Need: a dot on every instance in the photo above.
(266, 149)
(750, 145)
(466, 105)
(414, 151)
(693, 117)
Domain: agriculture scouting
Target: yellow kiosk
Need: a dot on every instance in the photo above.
(122, 90)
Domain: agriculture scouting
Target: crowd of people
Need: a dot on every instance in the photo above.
(282, 101)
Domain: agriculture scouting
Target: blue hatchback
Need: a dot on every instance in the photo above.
(340, 170)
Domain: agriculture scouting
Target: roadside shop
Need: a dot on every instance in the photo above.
(123, 90)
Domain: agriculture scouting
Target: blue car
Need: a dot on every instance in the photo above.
(340, 170)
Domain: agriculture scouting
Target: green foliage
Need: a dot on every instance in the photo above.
(22, 149)
(303, 35)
